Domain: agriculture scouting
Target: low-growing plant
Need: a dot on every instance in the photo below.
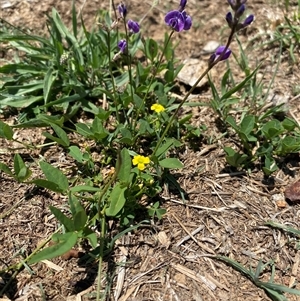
(274, 290)
(122, 80)
(264, 132)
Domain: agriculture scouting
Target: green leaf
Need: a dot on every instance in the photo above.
(270, 165)
(51, 137)
(47, 184)
(18, 164)
(65, 100)
(288, 144)
(272, 129)
(98, 130)
(64, 220)
(126, 136)
(91, 236)
(80, 219)
(151, 49)
(171, 163)
(169, 75)
(247, 124)
(232, 123)
(75, 205)
(68, 36)
(49, 79)
(165, 147)
(75, 152)
(264, 149)
(6, 169)
(54, 175)
(116, 200)
(61, 134)
(6, 131)
(20, 101)
(22, 172)
(234, 158)
(65, 243)
(155, 210)
(283, 227)
(138, 102)
(84, 130)
(125, 165)
(225, 80)
(238, 87)
(84, 188)
(289, 124)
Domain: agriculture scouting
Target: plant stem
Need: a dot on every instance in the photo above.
(102, 241)
(101, 215)
(111, 75)
(229, 40)
(153, 76)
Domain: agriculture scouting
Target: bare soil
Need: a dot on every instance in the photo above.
(229, 210)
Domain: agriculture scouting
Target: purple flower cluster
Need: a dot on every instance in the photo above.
(238, 6)
(178, 19)
(233, 20)
(220, 51)
(122, 10)
(133, 27)
(122, 44)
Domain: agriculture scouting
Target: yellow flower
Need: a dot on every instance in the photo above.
(157, 108)
(140, 161)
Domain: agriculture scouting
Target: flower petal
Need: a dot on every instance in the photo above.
(141, 166)
(171, 15)
(147, 160)
(187, 23)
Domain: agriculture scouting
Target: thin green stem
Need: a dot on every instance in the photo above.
(101, 215)
(111, 75)
(129, 63)
(153, 77)
(210, 66)
(102, 242)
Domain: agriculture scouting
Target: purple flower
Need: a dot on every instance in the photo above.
(122, 10)
(219, 51)
(133, 26)
(122, 44)
(239, 12)
(229, 19)
(178, 20)
(232, 3)
(248, 20)
(246, 23)
(235, 4)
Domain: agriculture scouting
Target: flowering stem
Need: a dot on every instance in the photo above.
(111, 75)
(129, 63)
(229, 40)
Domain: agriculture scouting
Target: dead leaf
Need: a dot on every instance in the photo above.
(71, 254)
(293, 192)
(163, 239)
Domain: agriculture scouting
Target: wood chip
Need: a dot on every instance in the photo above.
(193, 275)
(52, 265)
